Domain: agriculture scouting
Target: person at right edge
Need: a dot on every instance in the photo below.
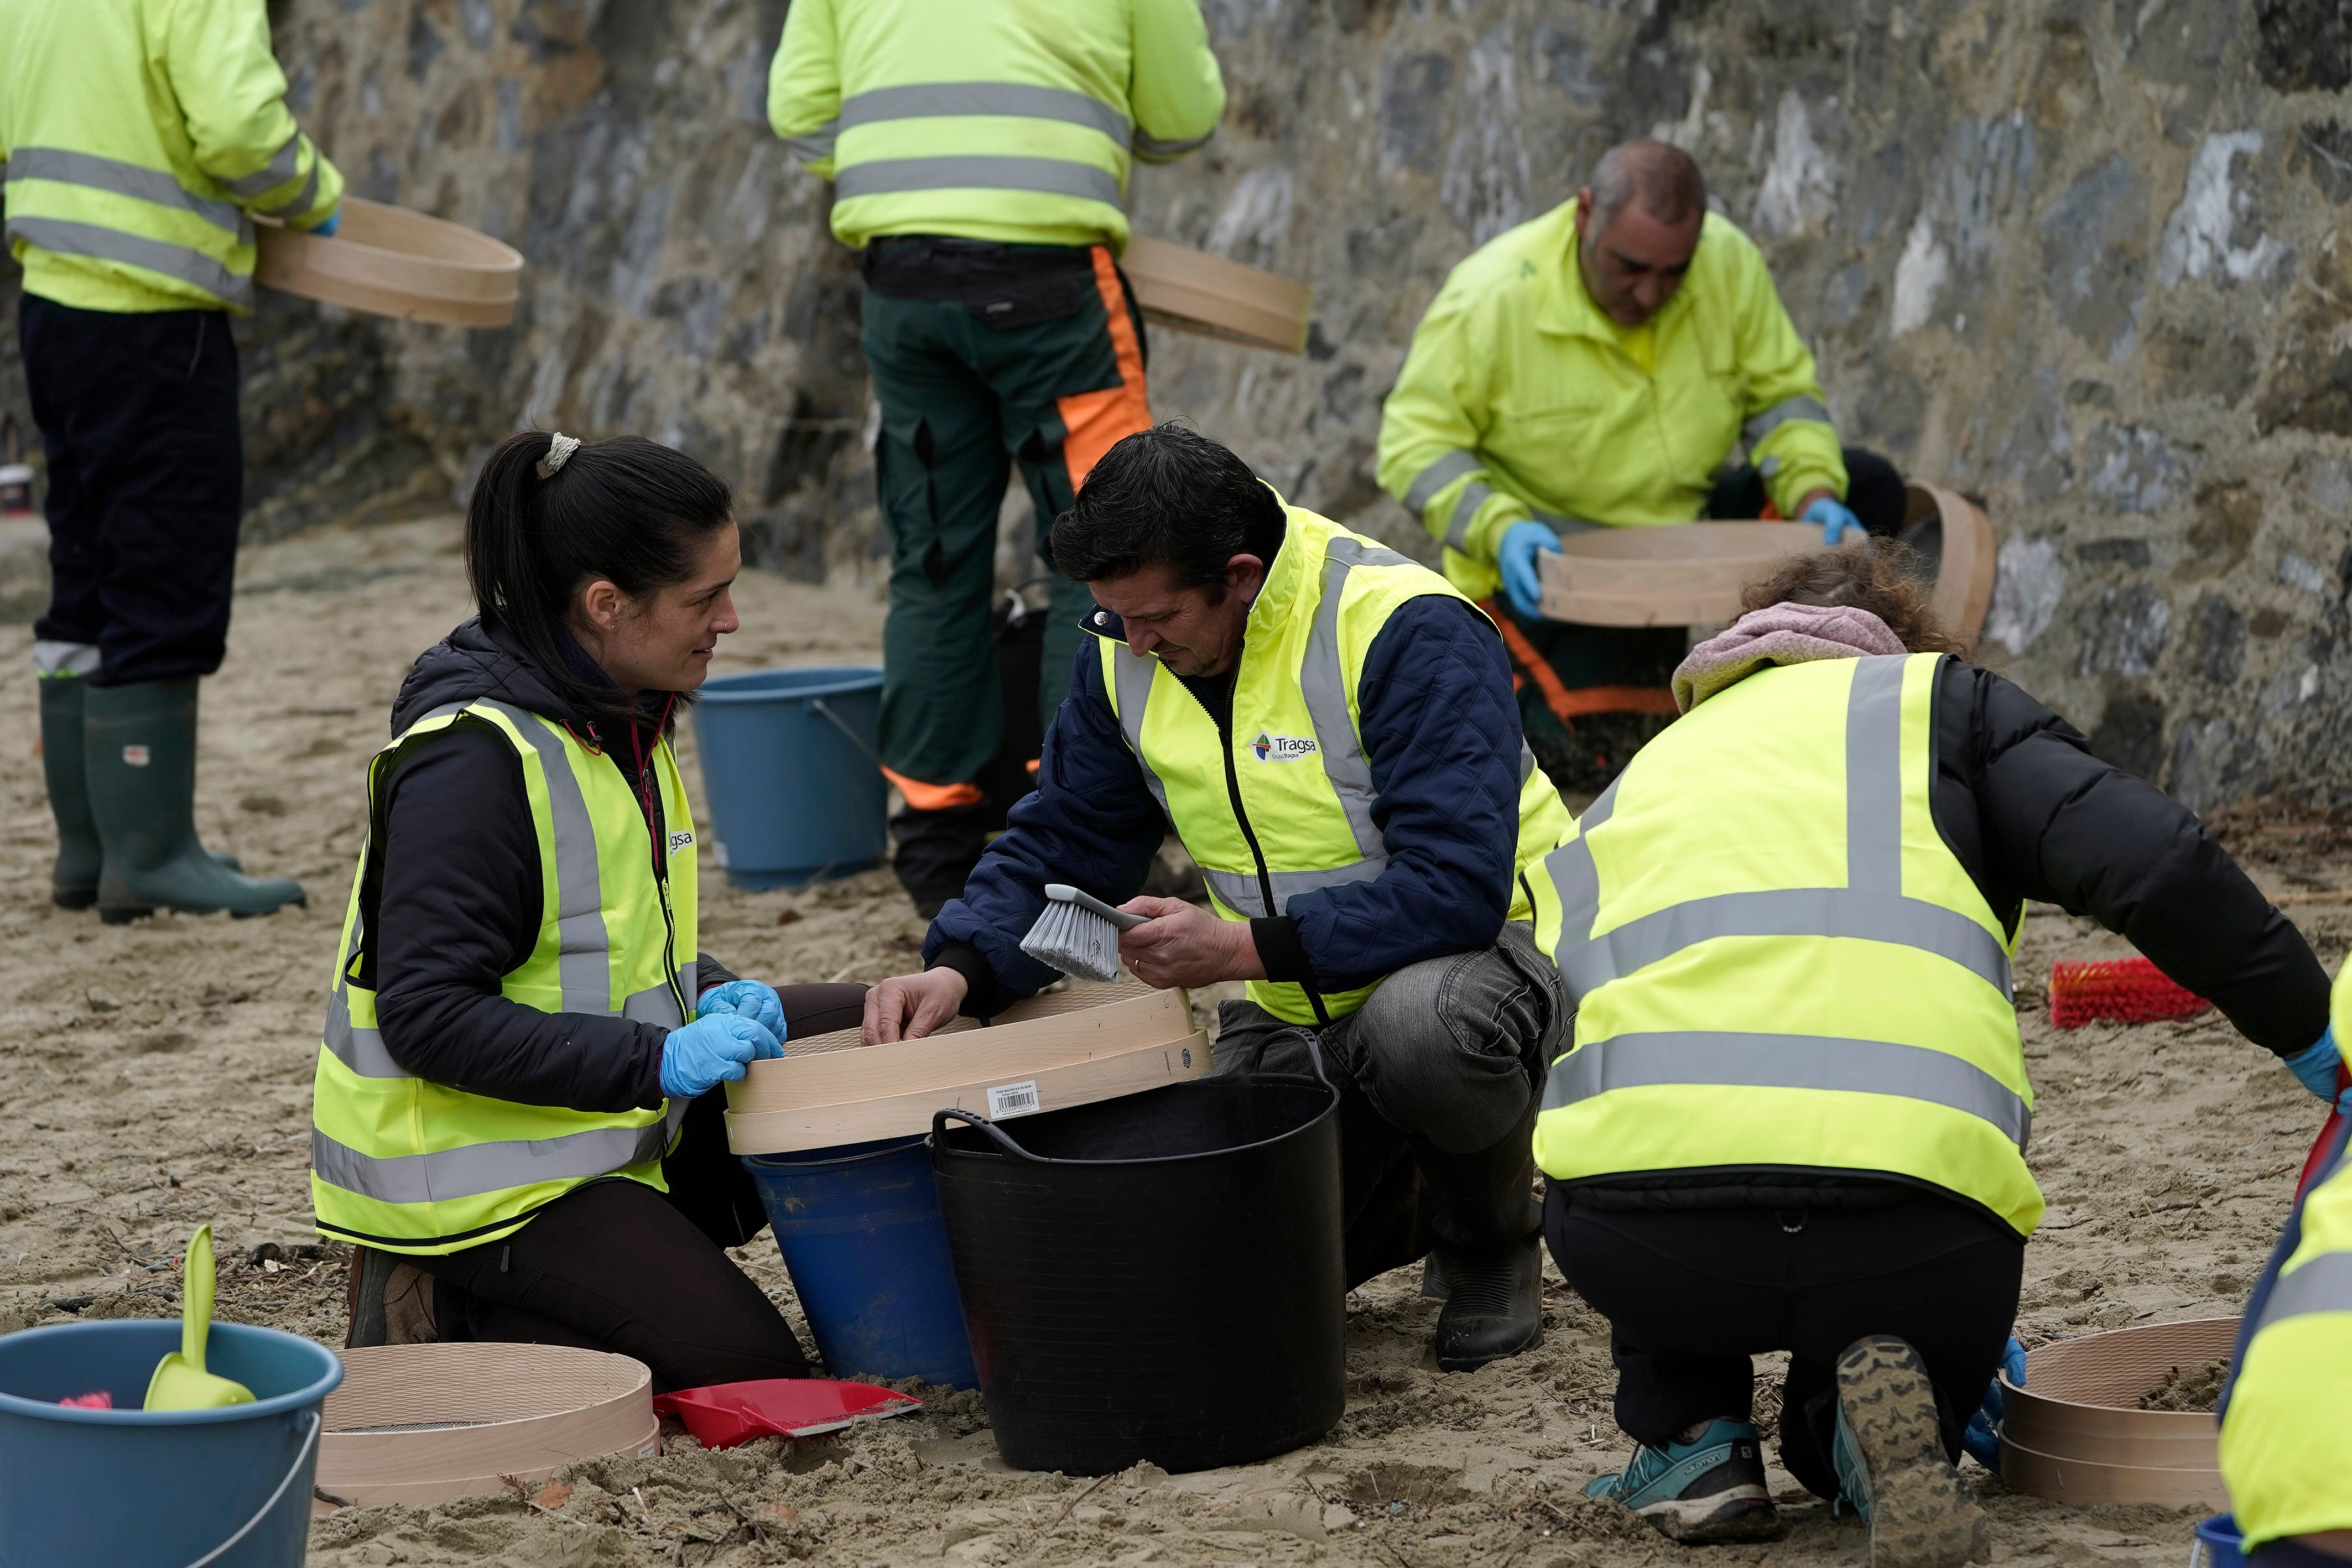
(1794, 1112)
(1622, 360)
(142, 138)
(2286, 1414)
(980, 158)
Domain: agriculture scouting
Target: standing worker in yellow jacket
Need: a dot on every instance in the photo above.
(142, 138)
(1795, 1110)
(980, 155)
(1598, 368)
(2286, 1416)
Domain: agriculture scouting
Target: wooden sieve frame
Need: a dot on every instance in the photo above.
(2075, 1432)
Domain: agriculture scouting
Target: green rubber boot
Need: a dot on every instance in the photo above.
(140, 744)
(73, 881)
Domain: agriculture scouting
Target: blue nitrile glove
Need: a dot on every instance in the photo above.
(747, 1000)
(2316, 1068)
(1982, 1438)
(1515, 556)
(327, 230)
(710, 1051)
(1834, 518)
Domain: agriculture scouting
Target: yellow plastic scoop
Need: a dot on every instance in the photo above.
(181, 1382)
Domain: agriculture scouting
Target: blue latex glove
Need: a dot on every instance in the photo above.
(1515, 556)
(710, 1051)
(2316, 1068)
(747, 1000)
(327, 230)
(1982, 1438)
(1836, 519)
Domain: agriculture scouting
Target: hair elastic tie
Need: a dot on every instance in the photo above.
(559, 452)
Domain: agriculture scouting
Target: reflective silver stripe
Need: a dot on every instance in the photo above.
(816, 146)
(1561, 523)
(118, 178)
(690, 981)
(926, 101)
(51, 657)
(473, 1169)
(1874, 776)
(1576, 878)
(2324, 1284)
(59, 236)
(1787, 1062)
(1134, 672)
(1761, 426)
(1153, 147)
(1323, 681)
(1439, 475)
(361, 1050)
(1789, 912)
(656, 1005)
(1527, 763)
(302, 198)
(1473, 495)
(1239, 890)
(283, 165)
(582, 962)
(1049, 176)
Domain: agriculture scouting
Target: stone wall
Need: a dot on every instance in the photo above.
(2083, 260)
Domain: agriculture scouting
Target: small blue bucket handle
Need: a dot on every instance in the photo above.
(302, 1455)
(842, 725)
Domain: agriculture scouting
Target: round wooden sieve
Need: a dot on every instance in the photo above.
(1193, 291)
(389, 261)
(2075, 1433)
(424, 1423)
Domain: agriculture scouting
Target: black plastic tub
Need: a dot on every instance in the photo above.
(1158, 1277)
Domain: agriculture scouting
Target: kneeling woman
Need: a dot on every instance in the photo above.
(1795, 1115)
(518, 1104)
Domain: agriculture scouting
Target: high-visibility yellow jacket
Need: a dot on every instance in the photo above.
(1776, 961)
(2287, 1424)
(1010, 120)
(1520, 398)
(138, 134)
(411, 1165)
(1282, 804)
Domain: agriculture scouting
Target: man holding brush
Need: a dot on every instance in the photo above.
(1332, 731)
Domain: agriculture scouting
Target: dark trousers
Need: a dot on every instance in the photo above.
(615, 1266)
(1690, 1294)
(983, 356)
(138, 415)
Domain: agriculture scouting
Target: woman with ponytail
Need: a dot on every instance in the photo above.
(517, 1107)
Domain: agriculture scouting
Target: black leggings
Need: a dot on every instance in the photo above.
(1691, 1294)
(613, 1265)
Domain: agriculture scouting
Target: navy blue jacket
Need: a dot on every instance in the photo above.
(1440, 724)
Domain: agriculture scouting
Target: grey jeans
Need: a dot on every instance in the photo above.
(1446, 1058)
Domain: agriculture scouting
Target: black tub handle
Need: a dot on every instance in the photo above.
(939, 1130)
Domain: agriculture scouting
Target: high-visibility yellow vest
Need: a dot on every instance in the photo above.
(2287, 1427)
(1282, 805)
(1775, 959)
(1013, 120)
(138, 134)
(411, 1165)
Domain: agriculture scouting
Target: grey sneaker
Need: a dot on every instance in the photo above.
(391, 1301)
(1888, 1449)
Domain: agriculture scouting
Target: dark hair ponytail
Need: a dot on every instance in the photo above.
(627, 510)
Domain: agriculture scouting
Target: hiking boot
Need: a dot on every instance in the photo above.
(390, 1300)
(1705, 1486)
(1889, 1450)
(1494, 1304)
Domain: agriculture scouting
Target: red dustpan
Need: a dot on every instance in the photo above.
(726, 1414)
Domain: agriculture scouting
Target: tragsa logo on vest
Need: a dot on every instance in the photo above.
(1282, 747)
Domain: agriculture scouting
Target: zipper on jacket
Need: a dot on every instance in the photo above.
(1249, 833)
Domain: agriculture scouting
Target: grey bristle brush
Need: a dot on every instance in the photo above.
(1079, 934)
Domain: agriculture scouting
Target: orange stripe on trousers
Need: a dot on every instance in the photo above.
(925, 797)
(1096, 420)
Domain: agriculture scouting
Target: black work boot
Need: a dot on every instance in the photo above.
(73, 881)
(1489, 1230)
(937, 850)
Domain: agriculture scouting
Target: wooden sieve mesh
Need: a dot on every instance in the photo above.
(439, 1386)
(2114, 1370)
(1068, 1001)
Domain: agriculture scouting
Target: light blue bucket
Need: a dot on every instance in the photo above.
(796, 792)
(228, 1488)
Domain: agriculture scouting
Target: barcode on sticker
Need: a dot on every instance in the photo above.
(1012, 1099)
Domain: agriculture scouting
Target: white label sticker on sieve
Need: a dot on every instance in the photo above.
(1011, 1099)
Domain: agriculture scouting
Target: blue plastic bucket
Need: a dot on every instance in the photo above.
(788, 759)
(133, 1489)
(2219, 1543)
(860, 1230)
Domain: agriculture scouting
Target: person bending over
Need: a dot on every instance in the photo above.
(518, 1111)
(1794, 1114)
(1330, 730)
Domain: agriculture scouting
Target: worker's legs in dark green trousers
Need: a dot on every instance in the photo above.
(982, 356)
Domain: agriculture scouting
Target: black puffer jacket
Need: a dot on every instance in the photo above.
(460, 901)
